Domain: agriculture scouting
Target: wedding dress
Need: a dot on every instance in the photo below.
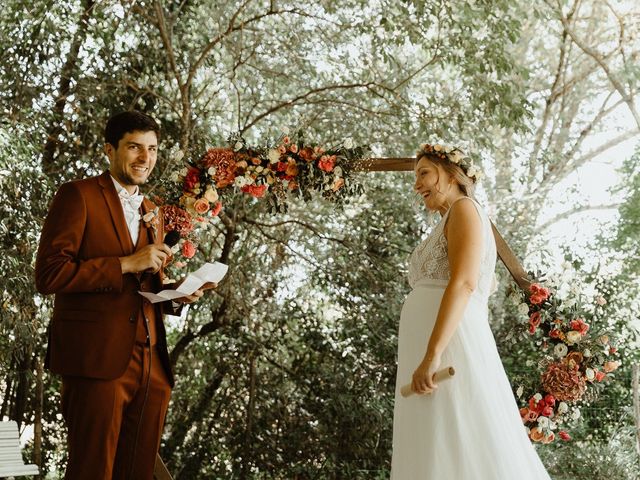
(470, 427)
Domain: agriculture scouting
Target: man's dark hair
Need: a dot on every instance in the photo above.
(125, 122)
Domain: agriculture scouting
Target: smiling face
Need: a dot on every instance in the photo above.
(433, 184)
(133, 160)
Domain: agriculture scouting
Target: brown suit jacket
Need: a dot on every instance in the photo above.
(96, 307)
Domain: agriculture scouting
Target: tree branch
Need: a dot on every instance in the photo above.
(166, 42)
(296, 100)
(573, 211)
(64, 87)
(627, 96)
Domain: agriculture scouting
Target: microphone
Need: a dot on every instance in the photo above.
(171, 238)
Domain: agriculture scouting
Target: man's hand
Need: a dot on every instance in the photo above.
(195, 296)
(150, 258)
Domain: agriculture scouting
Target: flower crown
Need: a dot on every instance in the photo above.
(453, 155)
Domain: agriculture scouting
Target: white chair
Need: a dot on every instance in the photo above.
(11, 464)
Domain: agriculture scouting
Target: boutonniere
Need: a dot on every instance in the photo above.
(150, 220)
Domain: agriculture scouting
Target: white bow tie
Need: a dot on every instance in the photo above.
(132, 201)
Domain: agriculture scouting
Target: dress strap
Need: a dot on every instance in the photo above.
(445, 217)
(462, 198)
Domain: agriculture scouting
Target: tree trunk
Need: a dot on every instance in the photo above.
(6, 403)
(64, 88)
(249, 428)
(37, 440)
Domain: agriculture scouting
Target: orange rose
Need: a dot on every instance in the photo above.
(201, 206)
(573, 359)
(536, 434)
(611, 366)
(338, 184)
(188, 249)
(306, 154)
(292, 169)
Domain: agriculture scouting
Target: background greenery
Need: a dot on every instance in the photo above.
(288, 370)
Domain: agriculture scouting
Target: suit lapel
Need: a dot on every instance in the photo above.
(117, 214)
(154, 233)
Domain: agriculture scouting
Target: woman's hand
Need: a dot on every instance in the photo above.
(422, 381)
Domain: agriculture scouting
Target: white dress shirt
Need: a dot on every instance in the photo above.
(131, 212)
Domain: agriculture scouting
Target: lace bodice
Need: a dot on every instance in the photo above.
(429, 260)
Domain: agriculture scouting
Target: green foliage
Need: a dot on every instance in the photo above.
(287, 371)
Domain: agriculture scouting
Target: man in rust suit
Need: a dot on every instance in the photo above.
(106, 341)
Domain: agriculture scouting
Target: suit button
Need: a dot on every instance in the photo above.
(132, 319)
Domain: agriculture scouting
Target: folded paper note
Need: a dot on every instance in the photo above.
(209, 272)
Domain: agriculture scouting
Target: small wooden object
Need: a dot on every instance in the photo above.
(440, 376)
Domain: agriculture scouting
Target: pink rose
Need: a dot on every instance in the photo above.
(555, 333)
(327, 163)
(549, 438)
(535, 406)
(201, 206)
(550, 400)
(547, 411)
(579, 326)
(338, 184)
(286, 140)
(534, 322)
(256, 191)
(600, 375)
(216, 209)
(188, 249)
(293, 148)
(282, 149)
(564, 435)
(530, 417)
(538, 293)
(536, 299)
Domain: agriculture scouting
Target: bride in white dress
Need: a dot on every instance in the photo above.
(468, 428)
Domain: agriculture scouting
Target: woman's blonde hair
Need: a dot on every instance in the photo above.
(467, 184)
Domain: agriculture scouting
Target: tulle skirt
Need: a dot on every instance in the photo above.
(470, 428)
